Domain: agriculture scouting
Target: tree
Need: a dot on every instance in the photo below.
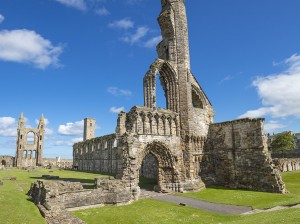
(283, 142)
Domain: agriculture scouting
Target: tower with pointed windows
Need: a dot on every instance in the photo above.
(30, 143)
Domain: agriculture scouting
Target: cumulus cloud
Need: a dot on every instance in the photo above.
(125, 24)
(8, 127)
(1, 18)
(116, 109)
(77, 4)
(68, 142)
(71, 128)
(272, 126)
(26, 46)
(102, 11)
(137, 35)
(115, 91)
(153, 42)
(279, 93)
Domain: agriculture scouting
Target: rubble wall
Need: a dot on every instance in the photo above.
(239, 157)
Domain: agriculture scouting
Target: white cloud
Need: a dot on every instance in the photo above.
(48, 131)
(77, 4)
(116, 110)
(69, 142)
(137, 36)
(1, 18)
(26, 46)
(280, 93)
(153, 42)
(122, 24)
(8, 126)
(227, 78)
(115, 91)
(102, 11)
(75, 128)
(273, 126)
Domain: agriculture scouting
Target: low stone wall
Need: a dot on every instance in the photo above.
(287, 164)
(58, 163)
(237, 156)
(7, 161)
(54, 197)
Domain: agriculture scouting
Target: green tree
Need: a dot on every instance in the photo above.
(283, 142)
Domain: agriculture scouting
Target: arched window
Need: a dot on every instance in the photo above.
(197, 103)
(115, 143)
(161, 100)
(30, 138)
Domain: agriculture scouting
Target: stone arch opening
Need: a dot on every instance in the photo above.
(166, 174)
(161, 96)
(168, 81)
(30, 138)
(3, 162)
(198, 100)
(148, 173)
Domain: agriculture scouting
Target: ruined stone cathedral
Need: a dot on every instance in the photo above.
(180, 146)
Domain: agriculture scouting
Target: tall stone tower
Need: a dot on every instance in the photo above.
(183, 92)
(30, 144)
(89, 128)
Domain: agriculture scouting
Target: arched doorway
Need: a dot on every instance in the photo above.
(161, 163)
(3, 163)
(148, 173)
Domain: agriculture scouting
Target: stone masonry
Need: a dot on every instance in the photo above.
(186, 149)
(30, 144)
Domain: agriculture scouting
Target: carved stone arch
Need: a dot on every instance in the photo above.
(168, 77)
(166, 163)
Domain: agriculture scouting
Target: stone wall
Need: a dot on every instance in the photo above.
(97, 154)
(238, 157)
(53, 198)
(58, 163)
(287, 164)
(7, 161)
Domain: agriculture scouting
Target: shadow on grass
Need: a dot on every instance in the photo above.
(147, 183)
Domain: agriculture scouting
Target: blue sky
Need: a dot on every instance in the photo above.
(71, 59)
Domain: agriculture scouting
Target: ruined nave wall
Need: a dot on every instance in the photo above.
(239, 157)
(97, 154)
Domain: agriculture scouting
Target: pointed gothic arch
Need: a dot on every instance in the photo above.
(169, 83)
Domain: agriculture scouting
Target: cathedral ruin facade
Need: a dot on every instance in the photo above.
(30, 144)
(180, 145)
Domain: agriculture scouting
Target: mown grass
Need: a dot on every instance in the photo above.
(258, 200)
(152, 212)
(15, 208)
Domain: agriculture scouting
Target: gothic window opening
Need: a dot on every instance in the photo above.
(196, 100)
(161, 96)
(30, 138)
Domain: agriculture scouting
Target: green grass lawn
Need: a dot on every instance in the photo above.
(14, 206)
(16, 209)
(258, 200)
